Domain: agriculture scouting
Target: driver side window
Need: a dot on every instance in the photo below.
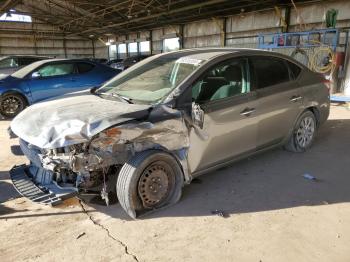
(227, 79)
(57, 70)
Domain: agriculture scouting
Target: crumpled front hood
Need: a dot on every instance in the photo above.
(71, 120)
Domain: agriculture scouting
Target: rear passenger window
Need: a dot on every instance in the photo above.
(294, 69)
(270, 71)
(23, 61)
(84, 67)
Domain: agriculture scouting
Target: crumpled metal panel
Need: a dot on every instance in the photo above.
(72, 120)
(165, 128)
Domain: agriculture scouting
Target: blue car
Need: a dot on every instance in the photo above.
(49, 78)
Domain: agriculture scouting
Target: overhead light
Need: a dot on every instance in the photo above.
(91, 36)
(108, 43)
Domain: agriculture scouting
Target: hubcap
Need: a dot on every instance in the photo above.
(155, 183)
(305, 132)
(11, 104)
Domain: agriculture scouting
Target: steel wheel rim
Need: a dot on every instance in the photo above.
(11, 104)
(305, 132)
(156, 183)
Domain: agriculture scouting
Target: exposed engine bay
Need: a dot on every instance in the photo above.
(94, 165)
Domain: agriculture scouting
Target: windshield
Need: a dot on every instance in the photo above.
(154, 79)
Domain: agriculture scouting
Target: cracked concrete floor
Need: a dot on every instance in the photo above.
(274, 213)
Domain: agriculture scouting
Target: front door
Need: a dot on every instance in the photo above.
(52, 79)
(230, 123)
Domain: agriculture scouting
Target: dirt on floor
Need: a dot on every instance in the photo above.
(271, 212)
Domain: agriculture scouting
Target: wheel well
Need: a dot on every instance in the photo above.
(316, 113)
(19, 94)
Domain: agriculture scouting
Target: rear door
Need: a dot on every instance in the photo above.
(280, 98)
(230, 124)
(87, 75)
(52, 79)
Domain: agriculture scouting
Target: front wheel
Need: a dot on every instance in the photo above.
(150, 180)
(11, 105)
(303, 133)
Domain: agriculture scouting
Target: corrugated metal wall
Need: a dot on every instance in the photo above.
(20, 38)
(202, 34)
(240, 31)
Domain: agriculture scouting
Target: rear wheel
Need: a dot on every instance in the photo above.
(303, 134)
(11, 105)
(150, 180)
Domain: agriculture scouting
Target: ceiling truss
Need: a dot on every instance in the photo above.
(105, 17)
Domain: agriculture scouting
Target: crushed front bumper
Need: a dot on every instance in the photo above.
(37, 185)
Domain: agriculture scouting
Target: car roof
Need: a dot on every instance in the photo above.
(212, 52)
(38, 63)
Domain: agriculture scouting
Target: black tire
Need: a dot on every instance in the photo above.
(296, 143)
(130, 188)
(11, 105)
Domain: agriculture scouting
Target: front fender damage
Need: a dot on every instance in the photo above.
(103, 155)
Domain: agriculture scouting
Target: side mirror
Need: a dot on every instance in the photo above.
(197, 115)
(36, 75)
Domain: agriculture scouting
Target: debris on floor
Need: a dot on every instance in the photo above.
(310, 177)
(80, 235)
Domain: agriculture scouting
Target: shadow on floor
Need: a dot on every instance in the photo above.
(269, 181)
(7, 191)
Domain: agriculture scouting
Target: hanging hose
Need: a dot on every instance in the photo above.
(322, 60)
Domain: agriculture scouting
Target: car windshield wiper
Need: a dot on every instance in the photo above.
(129, 100)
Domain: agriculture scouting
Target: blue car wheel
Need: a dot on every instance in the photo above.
(11, 105)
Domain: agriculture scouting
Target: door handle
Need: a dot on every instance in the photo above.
(247, 111)
(295, 98)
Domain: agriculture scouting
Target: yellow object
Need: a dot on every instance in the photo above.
(323, 51)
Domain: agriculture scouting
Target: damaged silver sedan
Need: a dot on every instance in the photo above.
(164, 121)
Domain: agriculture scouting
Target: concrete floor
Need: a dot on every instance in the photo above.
(274, 213)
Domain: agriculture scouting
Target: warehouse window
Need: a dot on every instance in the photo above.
(11, 17)
(132, 49)
(171, 44)
(145, 47)
(112, 51)
(122, 50)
